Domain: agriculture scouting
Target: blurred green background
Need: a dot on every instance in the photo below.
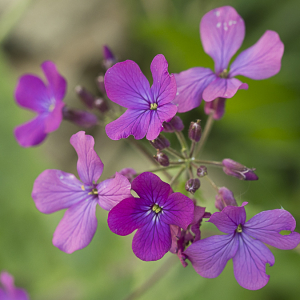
(260, 129)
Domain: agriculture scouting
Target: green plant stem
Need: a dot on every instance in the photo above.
(173, 152)
(205, 134)
(212, 183)
(208, 162)
(192, 149)
(177, 175)
(182, 142)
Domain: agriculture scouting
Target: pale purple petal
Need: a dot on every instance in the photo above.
(57, 84)
(132, 122)
(209, 256)
(112, 191)
(222, 32)
(89, 165)
(262, 60)
(190, 86)
(77, 228)
(53, 120)
(31, 133)
(164, 85)
(249, 263)
(152, 241)
(178, 210)
(223, 87)
(54, 190)
(267, 225)
(10, 292)
(127, 86)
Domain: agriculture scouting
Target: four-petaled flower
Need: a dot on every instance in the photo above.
(33, 94)
(151, 214)
(54, 190)
(147, 108)
(222, 32)
(244, 244)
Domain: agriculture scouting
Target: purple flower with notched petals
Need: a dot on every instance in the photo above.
(46, 100)
(147, 108)
(244, 243)
(151, 214)
(54, 190)
(222, 32)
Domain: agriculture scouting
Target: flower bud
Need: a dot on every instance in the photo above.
(201, 171)
(128, 173)
(100, 83)
(233, 168)
(109, 59)
(85, 96)
(195, 131)
(162, 159)
(160, 142)
(215, 107)
(80, 117)
(175, 124)
(224, 198)
(101, 105)
(192, 185)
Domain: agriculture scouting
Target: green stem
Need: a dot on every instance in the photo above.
(192, 149)
(182, 142)
(174, 152)
(177, 175)
(212, 183)
(208, 162)
(205, 134)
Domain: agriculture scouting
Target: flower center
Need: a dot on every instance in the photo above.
(156, 208)
(224, 74)
(51, 107)
(93, 192)
(239, 228)
(153, 106)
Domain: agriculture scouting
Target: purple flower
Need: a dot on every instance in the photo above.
(33, 94)
(148, 107)
(244, 244)
(222, 32)
(54, 190)
(151, 214)
(9, 291)
(235, 169)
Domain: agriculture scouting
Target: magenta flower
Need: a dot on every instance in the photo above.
(9, 291)
(148, 107)
(33, 94)
(222, 32)
(151, 214)
(244, 244)
(54, 190)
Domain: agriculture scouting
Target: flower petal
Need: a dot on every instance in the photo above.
(266, 227)
(164, 85)
(54, 190)
(77, 228)
(152, 241)
(190, 86)
(222, 32)
(89, 165)
(10, 292)
(224, 88)
(54, 118)
(215, 107)
(249, 263)
(209, 256)
(127, 86)
(262, 60)
(112, 191)
(132, 122)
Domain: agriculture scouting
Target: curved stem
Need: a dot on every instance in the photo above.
(212, 183)
(177, 175)
(174, 153)
(208, 162)
(205, 134)
(182, 142)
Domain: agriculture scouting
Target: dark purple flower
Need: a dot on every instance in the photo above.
(244, 243)
(148, 107)
(151, 214)
(222, 32)
(54, 190)
(9, 291)
(175, 124)
(32, 93)
(235, 169)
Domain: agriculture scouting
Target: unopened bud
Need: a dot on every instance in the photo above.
(195, 131)
(215, 107)
(100, 83)
(128, 173)
(109, 59)
(233, 168)
(192, 185)
(85, 96)
(162, 159)
(175, 124)
(201, 171)
(224, 198)
(160, 142)
(101, 105)
(79, 117)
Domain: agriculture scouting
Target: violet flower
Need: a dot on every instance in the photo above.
(148, 107)
(244, 244)
(151, 214)
(9, 291)
(46, 100)
(222, 32)
(54, 190)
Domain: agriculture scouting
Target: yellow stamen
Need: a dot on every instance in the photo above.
(239, 228)
(51, 107)
(82, 187)
(156, 208)
(224, 74)
(153, 106)
(93, 192)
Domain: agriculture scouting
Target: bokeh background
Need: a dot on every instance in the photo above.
(260, 129)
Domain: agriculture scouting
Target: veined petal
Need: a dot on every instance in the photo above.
(224, 88)
(54, 118)
(152, 241)
(127, 86)
(132, 122)
(190, 86)
(112, 191)
(222, 32)
(54, 190)
(266, 227)
(262, 60)
(249, 263)
(163, 88)
(89, 165)
(77, 228)
(209, 256)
